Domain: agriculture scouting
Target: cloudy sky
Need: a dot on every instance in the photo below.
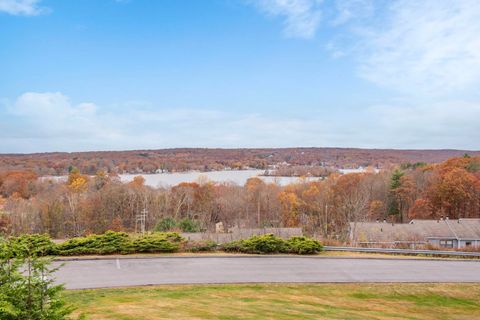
(133, 74)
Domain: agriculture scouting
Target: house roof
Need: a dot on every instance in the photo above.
(468, 229)
(416, 230)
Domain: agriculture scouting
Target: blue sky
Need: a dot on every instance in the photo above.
(134, 74)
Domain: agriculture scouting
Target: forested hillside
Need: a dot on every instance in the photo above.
(150, 161)
(86, 204)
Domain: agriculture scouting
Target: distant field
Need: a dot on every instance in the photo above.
(269, 301)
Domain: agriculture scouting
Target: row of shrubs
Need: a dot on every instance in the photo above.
(157, 242)
(110, 242)
(269, 243)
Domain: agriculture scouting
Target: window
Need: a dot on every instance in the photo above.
(446, 243)
(468, 243)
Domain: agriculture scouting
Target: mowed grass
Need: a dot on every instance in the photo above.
(281, 301)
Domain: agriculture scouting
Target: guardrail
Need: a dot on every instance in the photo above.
(405, 251)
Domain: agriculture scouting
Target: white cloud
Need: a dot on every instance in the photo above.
(52, 103)
(21, 7)
(450, 124)
(426, 47)
(50, 121)
(302, 17)
(348, 10)
(51, 115)
(37, 122)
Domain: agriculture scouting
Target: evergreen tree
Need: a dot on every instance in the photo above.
(27, 289)
(395, 182)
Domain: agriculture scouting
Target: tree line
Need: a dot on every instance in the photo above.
(87, 204)
(184, 159)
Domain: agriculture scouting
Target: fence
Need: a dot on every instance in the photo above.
(239, 234)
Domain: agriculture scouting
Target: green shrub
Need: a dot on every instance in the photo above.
(269, 243)
(166, 224)
(120, 242)
(200, 246)
(188, 225)
(158, 242)
(233, 246)
(32, 245)
(185, 225)
(303, 245)
(108, 243)
(74, 246)
(174, 237)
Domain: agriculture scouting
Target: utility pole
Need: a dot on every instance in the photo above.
(140, 221)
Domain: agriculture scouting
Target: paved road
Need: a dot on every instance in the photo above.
(182, 270)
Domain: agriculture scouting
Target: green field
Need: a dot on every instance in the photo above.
(285, 301)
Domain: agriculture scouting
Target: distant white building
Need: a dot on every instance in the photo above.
(446, 233)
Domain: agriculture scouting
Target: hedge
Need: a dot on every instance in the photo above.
(303, 245)
(108, 243)
(269, 243)
(32, 245)
(157, 242)
(112, 242)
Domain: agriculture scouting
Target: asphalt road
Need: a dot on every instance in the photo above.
(183, 270)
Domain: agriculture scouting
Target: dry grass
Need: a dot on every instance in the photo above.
(288, 301)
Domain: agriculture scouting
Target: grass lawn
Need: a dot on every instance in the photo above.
(282, 301)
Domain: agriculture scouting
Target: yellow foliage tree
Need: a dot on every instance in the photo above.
(78, 184)
(290, 208)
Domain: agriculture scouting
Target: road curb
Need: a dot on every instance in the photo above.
(107, 258)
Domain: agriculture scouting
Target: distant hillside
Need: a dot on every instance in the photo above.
(149, 161)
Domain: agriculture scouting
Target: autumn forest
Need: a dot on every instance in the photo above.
(93, 203)
(151, 161)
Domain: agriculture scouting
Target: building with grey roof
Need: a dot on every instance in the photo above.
(446, 233)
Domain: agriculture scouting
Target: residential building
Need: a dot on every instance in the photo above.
(446, 233)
